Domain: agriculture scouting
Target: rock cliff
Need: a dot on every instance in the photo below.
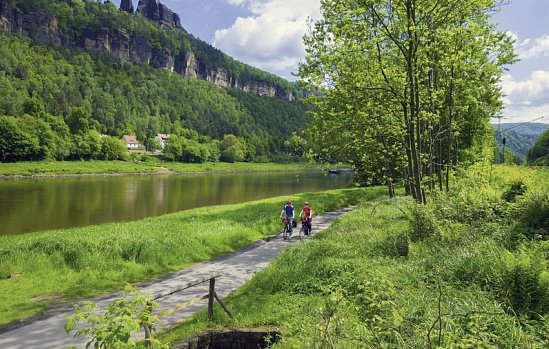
(158, 12)
(43, 28)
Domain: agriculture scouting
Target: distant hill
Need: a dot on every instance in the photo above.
(518, 137)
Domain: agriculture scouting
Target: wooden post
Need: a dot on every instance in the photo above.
(147, 328)
(223, 305)
(211, 299)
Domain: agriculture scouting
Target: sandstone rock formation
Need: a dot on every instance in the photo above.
(42, 27)
(158, 12)
(127, 5)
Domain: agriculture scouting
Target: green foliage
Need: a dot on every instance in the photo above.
(525, 283)
(15, 143)
(423, 223)
(113, 149)
(367, 70)
(531, 213)
(515, 190)
(539, 152)
(113, 326)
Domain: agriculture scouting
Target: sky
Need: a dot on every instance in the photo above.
(268, 34)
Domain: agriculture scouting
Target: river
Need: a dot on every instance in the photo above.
(29, 205)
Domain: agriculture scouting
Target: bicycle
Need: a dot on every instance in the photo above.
(286, 232)
(305, 228)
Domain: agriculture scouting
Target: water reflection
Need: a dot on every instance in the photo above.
(33, 205)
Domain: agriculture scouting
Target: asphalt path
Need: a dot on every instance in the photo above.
(47, 332)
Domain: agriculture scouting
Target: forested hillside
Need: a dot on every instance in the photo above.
(60, 101)
(519, 138)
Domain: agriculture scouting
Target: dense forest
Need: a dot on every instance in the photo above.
(68, 103)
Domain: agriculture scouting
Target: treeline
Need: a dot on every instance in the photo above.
(539, 153)
(78, 99)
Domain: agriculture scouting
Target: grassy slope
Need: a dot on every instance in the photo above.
(470, 280)
(89, 260)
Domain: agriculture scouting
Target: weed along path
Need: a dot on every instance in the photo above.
(234, 270)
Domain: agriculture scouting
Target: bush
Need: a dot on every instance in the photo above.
(423, 223)
(517, 188)
(526, 283)
(532, 215)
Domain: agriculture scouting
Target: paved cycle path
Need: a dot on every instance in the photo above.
(236, 268)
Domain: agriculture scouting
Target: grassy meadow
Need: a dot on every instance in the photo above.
(62, 265)
(467, 270)
(149, 165)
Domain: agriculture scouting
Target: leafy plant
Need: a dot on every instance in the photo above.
(113, 326)
(516, 189)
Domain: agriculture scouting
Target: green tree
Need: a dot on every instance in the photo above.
(539, 153)
(15, 143)
(413, 82)
(113, 148)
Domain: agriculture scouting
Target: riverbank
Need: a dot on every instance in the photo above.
(42, 268)
(46, 169)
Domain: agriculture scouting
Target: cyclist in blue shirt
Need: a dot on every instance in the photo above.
(288, 212)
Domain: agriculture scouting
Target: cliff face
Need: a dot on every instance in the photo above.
(43, 28)
(158, 12)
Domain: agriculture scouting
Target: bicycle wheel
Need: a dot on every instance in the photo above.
(285, 233)
(301, 233)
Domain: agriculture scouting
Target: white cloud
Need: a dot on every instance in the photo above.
(528, 99)
(271, 38)
(533, 48)
(236, 2)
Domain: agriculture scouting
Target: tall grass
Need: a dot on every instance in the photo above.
(89, 260)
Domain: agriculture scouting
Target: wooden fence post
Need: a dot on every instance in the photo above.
(147, 328)
(211, 299)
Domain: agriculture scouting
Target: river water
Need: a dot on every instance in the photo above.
(30, 205)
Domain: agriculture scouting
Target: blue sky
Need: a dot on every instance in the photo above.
(267, 34)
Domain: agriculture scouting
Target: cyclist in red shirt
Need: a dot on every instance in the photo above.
(307, 213)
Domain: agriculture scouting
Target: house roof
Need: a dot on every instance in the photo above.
(130, 139)
(163, 136)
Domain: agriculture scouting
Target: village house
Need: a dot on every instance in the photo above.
(162, 139)
(131, 142)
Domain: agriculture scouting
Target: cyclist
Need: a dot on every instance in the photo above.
(288, 212)
(307, 213)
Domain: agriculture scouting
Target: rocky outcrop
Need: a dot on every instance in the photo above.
(120, 45)
(42, 27)
(39, 25)
(140, 51)
(158, 12)
(10, 19)
(127, 5)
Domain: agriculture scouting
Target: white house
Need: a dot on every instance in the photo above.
(131, 142)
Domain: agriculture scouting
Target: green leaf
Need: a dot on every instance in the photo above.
(70, 324)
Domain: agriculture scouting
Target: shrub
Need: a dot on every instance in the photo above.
(532, 214)
(526, 283)
(517, 188)
(423, 223)
(114, 325)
